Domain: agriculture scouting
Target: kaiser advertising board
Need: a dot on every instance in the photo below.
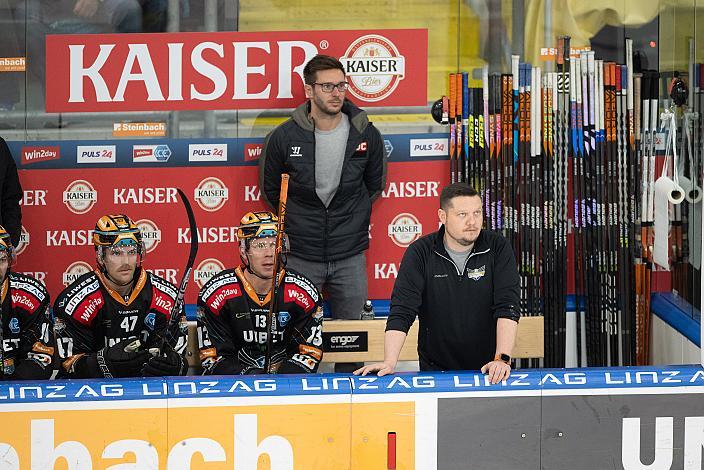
(64, 197)
(229, 70)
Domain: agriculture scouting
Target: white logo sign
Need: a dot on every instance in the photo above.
(207, 268)
(95, 154)
(374, 67)
(207, 152)
(429, 148)
(24, 241)
(211, 194)
(74, 271)
(80, 197)
(405, 229)
(151, 235)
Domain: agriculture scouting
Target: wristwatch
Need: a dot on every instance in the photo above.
(503, 358)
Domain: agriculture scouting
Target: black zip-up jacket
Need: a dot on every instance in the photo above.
(457, 307)
(341, 230)
(10, 194)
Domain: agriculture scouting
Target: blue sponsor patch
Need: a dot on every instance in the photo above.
(14, 325)
(149, 320)
(284, 318)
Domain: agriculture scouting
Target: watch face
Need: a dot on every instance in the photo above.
(505, 357)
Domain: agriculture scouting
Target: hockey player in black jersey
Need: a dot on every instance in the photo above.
(26, 342)
(233, 306)
(110, 322)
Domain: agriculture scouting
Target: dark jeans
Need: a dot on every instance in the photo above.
(344, 282)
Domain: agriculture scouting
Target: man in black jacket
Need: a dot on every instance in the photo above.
(336, 161)
(10, 194)
(463, 284)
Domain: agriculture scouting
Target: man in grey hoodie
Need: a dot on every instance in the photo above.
(335, 158)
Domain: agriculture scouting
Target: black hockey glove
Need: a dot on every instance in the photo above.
(123, 359)
(169, 363)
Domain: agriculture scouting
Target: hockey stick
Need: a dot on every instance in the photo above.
(178, 304)
(270, 320)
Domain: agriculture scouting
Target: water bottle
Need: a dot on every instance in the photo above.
(367, 311)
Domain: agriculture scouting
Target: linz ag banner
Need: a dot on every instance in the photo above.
(228, 70)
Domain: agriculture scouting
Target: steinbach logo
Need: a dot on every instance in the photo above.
(374, 67)
(252, 152)
(40, 154)
(207, 152)
(211, 194)
(24, 241)
(151, 235)
(207, 269)
(405, 229)
(139, 129)
(95, 154)
(80, 196)
(74, 271)
(151, 153)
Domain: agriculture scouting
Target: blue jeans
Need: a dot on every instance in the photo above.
(344, 282)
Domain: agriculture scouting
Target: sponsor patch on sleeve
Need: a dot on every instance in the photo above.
(217, 299)
(162, 302)
(88, 309)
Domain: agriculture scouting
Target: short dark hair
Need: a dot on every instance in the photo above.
(318, 63)
(454, 190)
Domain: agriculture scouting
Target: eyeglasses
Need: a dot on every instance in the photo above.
(118, 251)
(328, 87)
(262, 246)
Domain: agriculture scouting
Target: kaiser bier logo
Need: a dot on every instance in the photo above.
(207, 269)
(24, 241)
(374, 67)
(80, 197)
(405, 229)
(151, 235)
(211, 194)
(74, 271)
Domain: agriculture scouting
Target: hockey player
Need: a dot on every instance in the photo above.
(27, 345)
(233, 307)
(111, 322)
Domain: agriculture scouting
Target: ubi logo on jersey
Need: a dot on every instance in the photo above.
(252, 152)
(74, 271)
(207, 152)
(95, 154)
(24, 241)
(80, 196)
(374, 67)
(211, 194)
(151, 235)
(207, 268)
(405, 229)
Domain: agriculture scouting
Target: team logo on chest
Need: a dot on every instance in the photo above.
(295, 152)
(284, 318)
(476, 274)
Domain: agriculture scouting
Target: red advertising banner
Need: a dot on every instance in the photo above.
(228, 70)
(60, 208)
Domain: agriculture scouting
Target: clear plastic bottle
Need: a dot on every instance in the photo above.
(367, 311)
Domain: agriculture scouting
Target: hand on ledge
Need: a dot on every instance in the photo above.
(381, 368)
